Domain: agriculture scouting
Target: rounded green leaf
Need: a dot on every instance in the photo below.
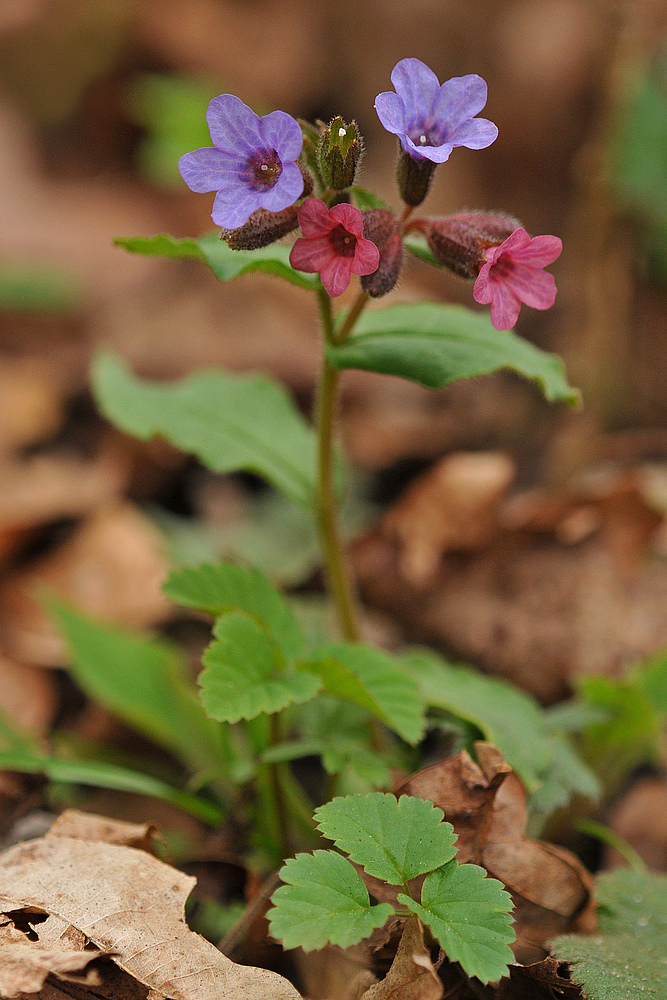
(324, 902)
(394, 840)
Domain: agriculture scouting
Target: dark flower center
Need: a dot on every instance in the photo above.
(504, 266)
(263, 169)
(342, 242)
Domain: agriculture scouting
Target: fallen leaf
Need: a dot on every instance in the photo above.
(26, 961)
(88, 826)
(28, 696)
(486, 804)
(132, 905)
(412, 975)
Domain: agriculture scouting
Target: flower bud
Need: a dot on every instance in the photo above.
(309, 158)
(460, 242)
(414, 178)
(339, 153)
(384, 230)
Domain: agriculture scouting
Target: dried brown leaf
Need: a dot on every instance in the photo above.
(131, 904)
(88, 826)
(25, 962)
(412, 975)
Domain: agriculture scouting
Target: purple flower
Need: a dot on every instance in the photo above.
(430, 119)
(513, 274)
(252, 163)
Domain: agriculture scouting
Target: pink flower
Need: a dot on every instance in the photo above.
(513, 274)
(333, 244)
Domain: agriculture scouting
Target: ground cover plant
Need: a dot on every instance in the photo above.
(271, 693)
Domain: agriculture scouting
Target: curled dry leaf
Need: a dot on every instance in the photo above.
(412, 975)
(130, 904)
(88, 826)
(486, 803)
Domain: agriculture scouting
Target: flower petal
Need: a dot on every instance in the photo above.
(209, 169)
(391, 112)
(350, 217)
(417, 86)
(436, 154)
(234, 206)
(282, 132)
(285, 191)
(478, 133)
(311, 255)
(314, 218)
(482, 291)
(335, 275)
(532, 285)
(505, 305)
(366, 257)
(541, 251)
(234, 127)
(457, 101)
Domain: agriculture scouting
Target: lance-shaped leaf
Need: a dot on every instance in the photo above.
(323, 902)
(395, 840)
(371, 679)
(224, 587)
(230, 422)
(246, 673)
(437, 344)
(222, 260)
(143, 681)
(626, 958)
(470, 915)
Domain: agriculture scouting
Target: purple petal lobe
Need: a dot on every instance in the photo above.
(417, 85)
(208, 169)
(457, 101)
(436, 154)
(311, 255)
(285, 191)
(233, 207)
(335, 275)
(282, 132)
(391, 111)
(234, 127)
(476, 134)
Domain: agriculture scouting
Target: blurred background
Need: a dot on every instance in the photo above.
(527, 540)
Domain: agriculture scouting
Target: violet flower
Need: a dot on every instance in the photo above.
(333, 243)
(252, 163)
(513, 274)
(430, 119)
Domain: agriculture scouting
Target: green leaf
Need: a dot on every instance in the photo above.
(626, 958)
(343, 732)
(437, 344)
(470, 915)
(101, 775)
(365, 199)
(245, 673)
(371, 679)
(230, 422)
(27, 286)
(652, 679)
(395, 840)
(221, 588)
(142, 681)
(324, 902)
(223, 261)
(418, 247)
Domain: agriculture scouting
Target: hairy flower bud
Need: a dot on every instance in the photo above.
(264, 228)
(339, 153)
(460, 242)
(384, 230)
(414, 178)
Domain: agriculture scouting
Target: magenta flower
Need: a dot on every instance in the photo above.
(513, 274)
(333, 244)
(430, 119)
(252, 163)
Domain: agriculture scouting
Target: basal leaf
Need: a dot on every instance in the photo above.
(625, 959)
(142, 681)
(437, 344)
(470, 915)
(230, 422)
(223, 261)
(416, 245)
(324, 902)
(246, 675)
(222, 587)
(101, 775)
(395, 840)
(371, 679)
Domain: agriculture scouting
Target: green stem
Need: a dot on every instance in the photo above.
(280, 806)
(341, 335)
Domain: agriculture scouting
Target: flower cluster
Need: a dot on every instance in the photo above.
(264, 169)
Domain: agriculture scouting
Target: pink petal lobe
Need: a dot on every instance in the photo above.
(350, 217)
(532, 285)
(517, 241)
(314, 218)
(335, 275)
(311, 255)
(366, 257)
(543, 250)
(505, 305)
(482, 291)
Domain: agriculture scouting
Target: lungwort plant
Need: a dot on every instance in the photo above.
(270, 694)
